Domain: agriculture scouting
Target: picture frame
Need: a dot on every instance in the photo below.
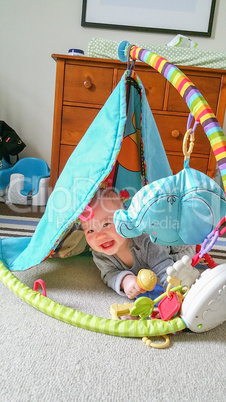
(187, 17)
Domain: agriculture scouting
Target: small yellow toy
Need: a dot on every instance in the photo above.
(119, 310)
(146, 279)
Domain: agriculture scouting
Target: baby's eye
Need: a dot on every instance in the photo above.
(90, 231)
(106, 224)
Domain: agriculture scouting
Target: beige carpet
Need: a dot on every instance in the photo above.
(42, 359)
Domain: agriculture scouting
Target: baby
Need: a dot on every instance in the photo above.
(120, 259)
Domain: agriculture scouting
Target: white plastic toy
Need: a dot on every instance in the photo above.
(183, 271)
(204, 307)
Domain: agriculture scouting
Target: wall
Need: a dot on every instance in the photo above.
(32, 30)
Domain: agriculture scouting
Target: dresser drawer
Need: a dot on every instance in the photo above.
(154, 85)
(65, 153)
(75, 122)
(87, 84)
(177, 163)
(83, 85)
(172, 130)
(209, 87)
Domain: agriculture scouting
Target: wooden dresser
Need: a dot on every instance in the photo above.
(83, 85)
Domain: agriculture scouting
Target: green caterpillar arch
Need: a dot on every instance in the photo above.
(126, 328)
(133, 328)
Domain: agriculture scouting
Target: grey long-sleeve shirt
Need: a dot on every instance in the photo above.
(145, 255)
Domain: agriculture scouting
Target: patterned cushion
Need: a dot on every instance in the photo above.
(108, 49)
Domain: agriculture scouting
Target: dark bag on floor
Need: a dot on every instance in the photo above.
(10, 143)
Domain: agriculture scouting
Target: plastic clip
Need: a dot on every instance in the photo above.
(132, 65)
(90, 216)
(190, 118)
(29, 197)
(42, 283)
(191, 136)
(209, 242)
(206, 246)
(222, 231)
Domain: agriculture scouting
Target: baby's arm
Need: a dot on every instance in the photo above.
(112, 272)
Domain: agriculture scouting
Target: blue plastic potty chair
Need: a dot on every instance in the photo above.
(27, 182)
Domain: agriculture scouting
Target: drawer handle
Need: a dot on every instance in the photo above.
(88, 83)
(175, 133)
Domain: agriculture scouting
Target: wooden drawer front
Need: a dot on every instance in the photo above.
(177, 163)
(154, 84)
(65, 152)
(209, 87)
(87, 84)
(75, 122)
(168, 126)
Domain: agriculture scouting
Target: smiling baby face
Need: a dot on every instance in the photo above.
(100, 231)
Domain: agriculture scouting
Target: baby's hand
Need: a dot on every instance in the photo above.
(130, 286)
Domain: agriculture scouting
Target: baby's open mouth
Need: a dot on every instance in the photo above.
(107, 244)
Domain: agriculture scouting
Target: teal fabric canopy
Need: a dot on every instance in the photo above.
(124, 123)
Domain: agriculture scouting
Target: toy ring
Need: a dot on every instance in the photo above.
(156, 345)
(187, 136)
(168, 290)
(90, 216)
